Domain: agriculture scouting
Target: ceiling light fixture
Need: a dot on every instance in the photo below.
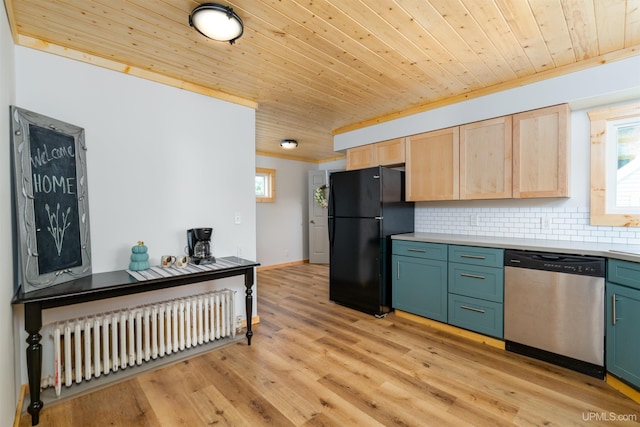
(288, 144)
(217, 22)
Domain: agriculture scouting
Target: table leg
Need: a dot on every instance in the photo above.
(248, 283)
(33, 323)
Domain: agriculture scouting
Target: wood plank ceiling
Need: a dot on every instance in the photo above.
(317, 67)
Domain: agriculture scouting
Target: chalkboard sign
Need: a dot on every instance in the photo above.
(49, 166)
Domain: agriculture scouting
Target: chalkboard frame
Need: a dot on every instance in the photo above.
(26, 127)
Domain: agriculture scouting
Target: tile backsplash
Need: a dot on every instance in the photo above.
(571, 224)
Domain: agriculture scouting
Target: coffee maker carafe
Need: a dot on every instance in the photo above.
(199, 241)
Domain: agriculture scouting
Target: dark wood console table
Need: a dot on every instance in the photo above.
(102, 286)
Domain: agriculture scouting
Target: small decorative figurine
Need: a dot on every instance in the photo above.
(139, 257)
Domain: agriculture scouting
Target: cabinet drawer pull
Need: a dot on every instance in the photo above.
(473, 256)
(477, 310)
(417, 250)
(473, 276)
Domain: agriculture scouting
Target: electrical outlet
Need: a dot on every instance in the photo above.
(475, 220)
(238, 218)
(546, 223)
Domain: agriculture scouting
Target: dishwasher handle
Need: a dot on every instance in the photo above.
(546, 257)
(549, 257)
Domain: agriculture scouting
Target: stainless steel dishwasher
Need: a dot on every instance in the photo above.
(554, 309)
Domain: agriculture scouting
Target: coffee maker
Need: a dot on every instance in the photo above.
(199, 241)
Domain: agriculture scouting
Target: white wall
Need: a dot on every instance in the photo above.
(8, 387)
(334, 165)
(160, 160)
(282, 227)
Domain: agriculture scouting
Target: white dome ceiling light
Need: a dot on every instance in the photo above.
(288, 144)
(217, 22)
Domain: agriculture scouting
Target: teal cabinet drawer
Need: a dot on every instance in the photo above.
(419, 286)
(485, 317)
(623, 272)
(437, 251)
(488, 257)
(477, 281)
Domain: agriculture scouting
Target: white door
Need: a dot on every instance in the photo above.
(318, 229)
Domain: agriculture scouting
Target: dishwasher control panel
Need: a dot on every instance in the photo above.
(559, 263)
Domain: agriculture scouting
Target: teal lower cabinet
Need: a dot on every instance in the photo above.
(459, 285)
(485, 317)
(476, 289)
(420, 286)
(623, 321)
(476, 281)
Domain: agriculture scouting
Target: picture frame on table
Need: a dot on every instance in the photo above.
(51, 200)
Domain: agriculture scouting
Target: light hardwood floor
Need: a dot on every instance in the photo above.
(315, 363)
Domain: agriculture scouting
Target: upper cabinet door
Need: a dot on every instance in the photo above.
(390, 152)
(432, 165)
(485, 159)
(385, 153)
(541, 153)
(361, 157)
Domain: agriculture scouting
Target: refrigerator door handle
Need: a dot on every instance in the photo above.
(331, 220)
(331, 229)
(331, 206)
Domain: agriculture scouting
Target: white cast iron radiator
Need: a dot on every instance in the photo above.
(91, 346)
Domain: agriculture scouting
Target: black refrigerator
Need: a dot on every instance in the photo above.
(366, 207)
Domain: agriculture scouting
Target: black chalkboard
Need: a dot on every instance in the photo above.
(51, 200)
(54, 184)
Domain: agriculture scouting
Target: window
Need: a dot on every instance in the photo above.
(265, 185)
(615, 166)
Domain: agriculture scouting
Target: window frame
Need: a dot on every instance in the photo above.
(599, 137)
(270, 180)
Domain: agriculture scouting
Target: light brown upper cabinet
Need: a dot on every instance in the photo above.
(432, 165)
(485, 159)
(541, 153)
(361, 157)
(391, 152)
(385, 153)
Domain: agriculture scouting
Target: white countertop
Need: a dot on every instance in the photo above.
(607, 250)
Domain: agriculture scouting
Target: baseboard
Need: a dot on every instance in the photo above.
(623, 388)
(286, 264)
(23, 391)
(494, 342)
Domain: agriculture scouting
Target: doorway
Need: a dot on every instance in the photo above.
(318, 227)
